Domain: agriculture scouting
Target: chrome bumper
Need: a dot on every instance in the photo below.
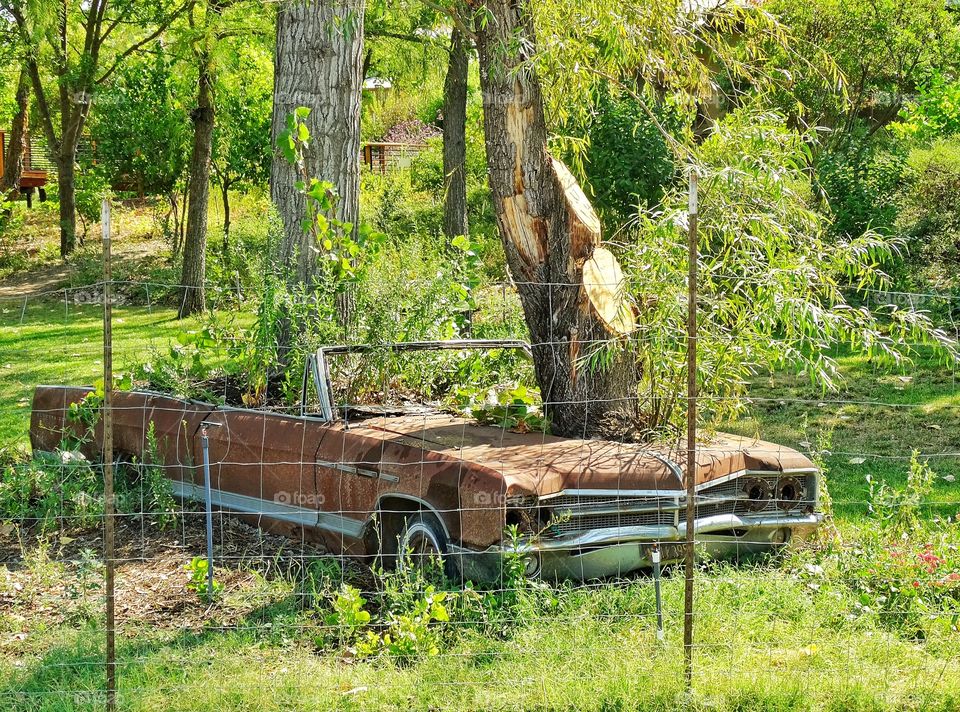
(614, 551)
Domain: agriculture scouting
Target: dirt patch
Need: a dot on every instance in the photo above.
(54, 580)
(135, 241)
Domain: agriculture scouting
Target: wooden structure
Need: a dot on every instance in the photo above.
(379, 157)
(37, 165)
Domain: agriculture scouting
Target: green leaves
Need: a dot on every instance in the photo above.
(342, 251)
(776, 289)
(198, 583)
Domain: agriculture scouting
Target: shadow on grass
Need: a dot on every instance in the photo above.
(71, 675)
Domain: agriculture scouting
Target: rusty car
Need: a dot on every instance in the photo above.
(378, 482)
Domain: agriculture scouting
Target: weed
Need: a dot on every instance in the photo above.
(198, 582)
(900, 508)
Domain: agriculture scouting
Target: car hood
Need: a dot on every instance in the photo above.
(539, 464)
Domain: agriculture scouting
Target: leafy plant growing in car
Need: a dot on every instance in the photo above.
(343, 250)
(514, 408)
(157, 489)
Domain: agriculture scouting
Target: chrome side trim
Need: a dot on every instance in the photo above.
(354, 470)
(623, 535)
(274, 510)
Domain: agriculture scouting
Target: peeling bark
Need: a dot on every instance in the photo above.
(318, 63)
(549, 230)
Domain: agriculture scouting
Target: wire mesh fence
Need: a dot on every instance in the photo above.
(403, 548)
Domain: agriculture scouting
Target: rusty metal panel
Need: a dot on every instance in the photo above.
(48, 420)
(175, 420)
(265, 458)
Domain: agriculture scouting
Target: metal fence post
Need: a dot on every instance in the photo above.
(208, 496)
(109, 505)
(655, 556)
(692, 257)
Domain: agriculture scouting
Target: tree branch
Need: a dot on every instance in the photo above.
(161, 27)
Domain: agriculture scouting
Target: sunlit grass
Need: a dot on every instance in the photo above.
(50, 343)
(764, 640)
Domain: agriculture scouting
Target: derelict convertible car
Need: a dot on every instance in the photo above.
(371, 481)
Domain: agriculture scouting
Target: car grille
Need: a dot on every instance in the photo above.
(575, 513)
(572, 524)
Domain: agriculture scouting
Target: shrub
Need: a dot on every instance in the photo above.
(52, 489)
(627, 162)
(860, 181)
(929, 217)
(935, 111)
(770, 277)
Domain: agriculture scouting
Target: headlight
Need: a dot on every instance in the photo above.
(790, 492)
(757, 491)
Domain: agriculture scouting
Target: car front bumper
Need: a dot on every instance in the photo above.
(601, 553)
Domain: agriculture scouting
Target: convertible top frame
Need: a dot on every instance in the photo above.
(317, 366)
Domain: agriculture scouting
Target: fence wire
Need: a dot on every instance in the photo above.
(327, 588)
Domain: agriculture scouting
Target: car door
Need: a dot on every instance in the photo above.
(262, 464)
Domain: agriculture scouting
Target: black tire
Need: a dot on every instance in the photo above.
(421, 539)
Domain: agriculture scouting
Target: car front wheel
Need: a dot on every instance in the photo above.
(423, 541)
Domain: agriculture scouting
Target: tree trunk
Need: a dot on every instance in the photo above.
(550, 233)
(317, 65)
(195, 242)
(17, 138)
(455, 138)
(67, 187)
(225, 190)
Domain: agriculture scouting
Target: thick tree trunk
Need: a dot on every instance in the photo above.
(67, 187)
(317, 65)
(17, 138)
(195, 242)
(455, 138)
(550, 232)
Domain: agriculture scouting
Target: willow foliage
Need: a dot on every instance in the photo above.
(776, 290)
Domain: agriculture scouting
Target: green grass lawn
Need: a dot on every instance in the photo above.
(877, 419)
(775, 637)
(50, 343)
(765, 641)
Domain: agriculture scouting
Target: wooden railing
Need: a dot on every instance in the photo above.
(381, 157)
(36, 162)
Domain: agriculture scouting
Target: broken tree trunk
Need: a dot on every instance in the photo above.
(572, 290)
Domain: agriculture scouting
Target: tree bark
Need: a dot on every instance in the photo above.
(67, 188)
(318, 64)
(549, 231)
(455, 138)
(17, 138)
(195, 242)
(225, 190)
